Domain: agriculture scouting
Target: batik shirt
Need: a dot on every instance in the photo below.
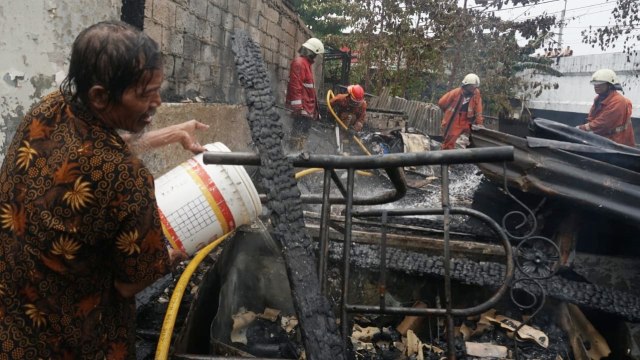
(77, 211)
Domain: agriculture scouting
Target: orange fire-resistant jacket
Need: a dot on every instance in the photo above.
(352, 114)
(612, 119)
(462, 120)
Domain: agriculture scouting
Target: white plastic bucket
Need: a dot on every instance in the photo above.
(198, 203)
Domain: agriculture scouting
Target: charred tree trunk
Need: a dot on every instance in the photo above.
(317, 322)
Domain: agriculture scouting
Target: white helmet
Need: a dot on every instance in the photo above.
(604, 76)
(315, 45)
(471, 79)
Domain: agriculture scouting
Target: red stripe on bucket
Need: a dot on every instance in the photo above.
(213, 195)
(169, 232)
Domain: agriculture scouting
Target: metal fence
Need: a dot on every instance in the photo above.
(392, 164)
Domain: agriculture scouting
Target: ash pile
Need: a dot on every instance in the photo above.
(240, 304)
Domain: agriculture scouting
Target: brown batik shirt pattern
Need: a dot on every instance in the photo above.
(77, 211)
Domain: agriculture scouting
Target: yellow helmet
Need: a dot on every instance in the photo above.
(604, 76)
(471, 79)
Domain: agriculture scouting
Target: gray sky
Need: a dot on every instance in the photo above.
(580, 14)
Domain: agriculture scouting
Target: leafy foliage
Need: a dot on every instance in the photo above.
(324, 17)
(626, 27)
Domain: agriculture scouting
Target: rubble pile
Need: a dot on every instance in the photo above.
(245, 326)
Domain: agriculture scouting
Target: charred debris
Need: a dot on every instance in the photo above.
(470, 253)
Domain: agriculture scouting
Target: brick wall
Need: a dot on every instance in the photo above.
(195, 37)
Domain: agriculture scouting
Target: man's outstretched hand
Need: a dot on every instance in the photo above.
(183, 133)
(187, 131)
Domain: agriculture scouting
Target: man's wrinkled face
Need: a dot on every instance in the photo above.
(138, 105)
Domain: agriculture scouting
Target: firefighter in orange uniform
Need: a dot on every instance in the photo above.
(351, 107)
(462, 108)
(610, 114)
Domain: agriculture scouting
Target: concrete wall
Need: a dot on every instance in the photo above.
(228, 125)
(195, 39)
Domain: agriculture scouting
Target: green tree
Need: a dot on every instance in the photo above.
(421, 48)
(324, 17)
(625, 27)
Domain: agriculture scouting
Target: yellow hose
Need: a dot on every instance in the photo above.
(164, 342)
(308, 171)
(339, 121)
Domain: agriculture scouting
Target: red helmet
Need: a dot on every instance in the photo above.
(356, 92)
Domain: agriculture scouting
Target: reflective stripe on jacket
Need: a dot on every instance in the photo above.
(301, 92)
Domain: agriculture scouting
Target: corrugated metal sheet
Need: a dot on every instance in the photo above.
(573, 175)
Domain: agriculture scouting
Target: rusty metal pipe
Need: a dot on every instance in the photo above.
(446, 207)
(338, 182)
(458, 156)
(382, 279)
(391, 163)
(324, 232)
(209, 357)
(346, 256)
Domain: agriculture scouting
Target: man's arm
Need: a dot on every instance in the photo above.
(183, 133)
(446, 100)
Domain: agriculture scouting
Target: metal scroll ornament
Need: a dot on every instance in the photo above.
(537, 258)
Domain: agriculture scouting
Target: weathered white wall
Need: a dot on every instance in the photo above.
(34, 47)
(194, 36)
(574, 93)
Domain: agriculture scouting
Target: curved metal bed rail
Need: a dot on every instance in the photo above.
(392, 164)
